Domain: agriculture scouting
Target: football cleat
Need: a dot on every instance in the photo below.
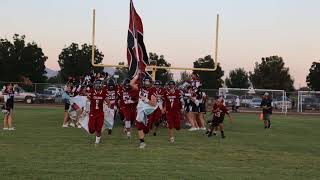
(142, 145)
(193, 129)
(171, 140)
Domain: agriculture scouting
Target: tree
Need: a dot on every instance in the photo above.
(272, 74)
(313, 78)
(121, 72)
(163, 75)
(238, 78)
(184, 77)
(210, 79)
(76, 61)
(19, 60)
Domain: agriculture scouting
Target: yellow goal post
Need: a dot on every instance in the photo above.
(154, 68)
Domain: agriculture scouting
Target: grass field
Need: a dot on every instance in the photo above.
(41, 149)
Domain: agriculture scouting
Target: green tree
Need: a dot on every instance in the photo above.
(121, 72)
(163, 75)
(184, 77)
(19, 60)
(313, 78)
(210, 79)
(75, 60)
(271, 73)
(238, 78)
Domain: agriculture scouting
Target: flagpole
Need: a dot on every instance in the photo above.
(93, 36)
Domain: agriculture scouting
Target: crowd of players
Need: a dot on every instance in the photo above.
(142, 103)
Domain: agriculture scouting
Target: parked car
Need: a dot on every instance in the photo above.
(55, 90)
(245, 100)
(46, 97)
(229, 98)
(280, 103)
(311, 104)
(255, 103)
(22, 96)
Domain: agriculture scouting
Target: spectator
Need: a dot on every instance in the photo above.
(237, 104)
(266, 105)
(7, 109)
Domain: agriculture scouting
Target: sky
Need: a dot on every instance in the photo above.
(181, 30)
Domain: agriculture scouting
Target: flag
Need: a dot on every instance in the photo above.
(136, 53)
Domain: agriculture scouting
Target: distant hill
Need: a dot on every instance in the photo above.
(51, 73)
(109, 70)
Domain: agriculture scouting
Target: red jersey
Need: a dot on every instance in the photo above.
(160, 94)
(96, 101)
(172, 100)
(112, 96)
(128, 97)
(148, 92)
(219, 111)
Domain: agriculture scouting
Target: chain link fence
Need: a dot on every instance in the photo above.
(297, 101)
(37, 93)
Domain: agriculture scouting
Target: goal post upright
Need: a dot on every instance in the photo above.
(153, 67)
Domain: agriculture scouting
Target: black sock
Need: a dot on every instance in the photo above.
(222, 133)
(141, 140)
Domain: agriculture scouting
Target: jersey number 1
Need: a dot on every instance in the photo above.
(97, 104)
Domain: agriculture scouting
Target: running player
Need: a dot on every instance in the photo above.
(109, 109)
(219, 110)
(146, 106)
(174, 103)
(128, 100)
(97, 97)
(155, 117)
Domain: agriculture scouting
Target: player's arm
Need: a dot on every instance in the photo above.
(230, 118)
(182, 103)
(269, 105)
(226, 111)
(133, 83)
(195, 100)
(107, 101)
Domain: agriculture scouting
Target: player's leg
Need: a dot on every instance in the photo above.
(213, 127)
(92, 124)
(269, 120)
(127, 122)
(141, 138)
(156, 121)
(191, 119)
(177, 124)
(79, 112)
(66, 115)
(266, 120)
(170, 126)
(202, 121)
(5, 121)
(10, 120)
(177, 121)
(221, 127)
(141, 134)
(98, 126)
(110, 120)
